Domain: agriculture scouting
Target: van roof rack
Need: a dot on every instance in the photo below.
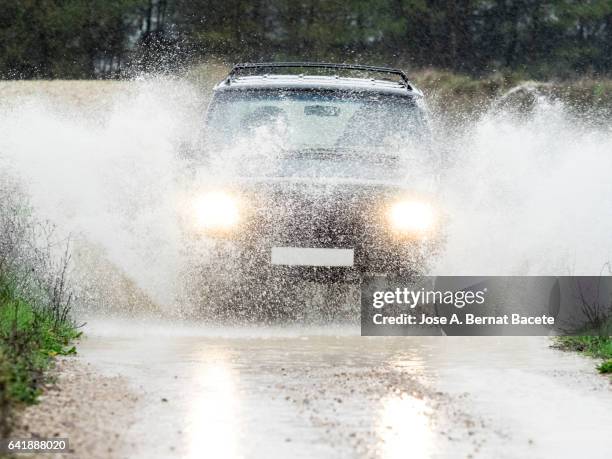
(238, 68)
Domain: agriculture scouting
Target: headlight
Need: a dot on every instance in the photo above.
(412, 216)
(216, 211)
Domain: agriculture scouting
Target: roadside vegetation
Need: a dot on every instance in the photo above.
(35, 299)
(596, 340)
(597, 346)
(465, 90)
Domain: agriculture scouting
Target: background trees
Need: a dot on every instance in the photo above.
(106, 38)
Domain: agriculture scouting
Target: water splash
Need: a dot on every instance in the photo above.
(108, 176)
(526, 191)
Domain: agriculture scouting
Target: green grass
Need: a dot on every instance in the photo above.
(598, 346)
(605, 367)
(30, 337)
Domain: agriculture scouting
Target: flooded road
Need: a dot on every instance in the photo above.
(327, 392)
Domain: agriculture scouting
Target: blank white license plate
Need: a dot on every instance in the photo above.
(300, 256)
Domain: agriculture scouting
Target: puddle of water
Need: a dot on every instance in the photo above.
(243, 395)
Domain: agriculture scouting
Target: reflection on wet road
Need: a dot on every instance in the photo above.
(326, 392)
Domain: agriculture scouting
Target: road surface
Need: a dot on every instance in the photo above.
(327, 392)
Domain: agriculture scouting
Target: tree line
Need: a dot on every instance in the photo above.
(111, 38)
